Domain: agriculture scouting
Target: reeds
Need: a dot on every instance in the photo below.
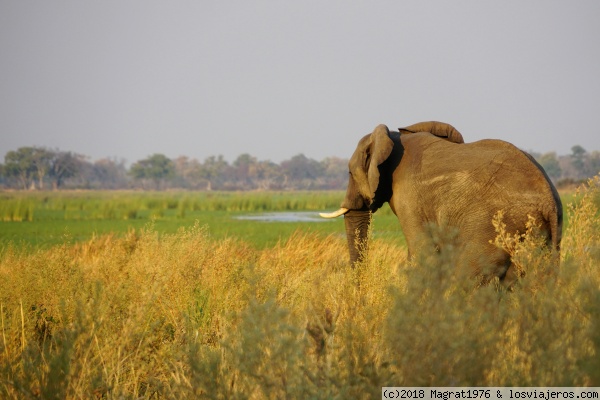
(18, 210)
(185, 316)
(95, 205)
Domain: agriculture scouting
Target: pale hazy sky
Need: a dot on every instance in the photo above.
(127, 79)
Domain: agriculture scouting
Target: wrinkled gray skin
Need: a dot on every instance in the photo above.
(429, 175)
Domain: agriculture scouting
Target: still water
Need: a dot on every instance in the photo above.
(305, 216)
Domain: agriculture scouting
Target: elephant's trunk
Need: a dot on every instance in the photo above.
(357, 227)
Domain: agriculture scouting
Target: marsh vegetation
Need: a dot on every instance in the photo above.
(151, 313)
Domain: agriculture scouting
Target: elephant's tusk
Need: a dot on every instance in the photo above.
(334, 214)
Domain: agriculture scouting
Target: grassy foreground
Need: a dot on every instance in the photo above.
(183, 315)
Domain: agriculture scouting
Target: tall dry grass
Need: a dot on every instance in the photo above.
(185, 316)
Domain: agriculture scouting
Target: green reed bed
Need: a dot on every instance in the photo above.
(20, 206)
(49, 218)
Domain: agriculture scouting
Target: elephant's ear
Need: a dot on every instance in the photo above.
(381, 149)
(372, 151)
(439, 129)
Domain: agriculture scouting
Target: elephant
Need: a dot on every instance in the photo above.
(429, 176)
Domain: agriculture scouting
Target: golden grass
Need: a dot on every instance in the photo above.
(185, 316)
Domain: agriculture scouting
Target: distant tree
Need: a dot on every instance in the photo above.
(301, 171)
(594, 163)
(549, 162)
(28, 165)
(19, 165)
(107, 173)
(41, 160)
(212, 171)
(335, 172)
(186, 171)
(156, 168)
(63, 165)
(578, 155)
(245, 169)
(268, 175)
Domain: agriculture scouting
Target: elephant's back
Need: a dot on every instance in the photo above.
(493, 146)
(502, 168)
(439, 157)
(471, 167)
(481, 178)
(512, 166)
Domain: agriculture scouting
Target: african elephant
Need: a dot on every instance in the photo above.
(430, 176)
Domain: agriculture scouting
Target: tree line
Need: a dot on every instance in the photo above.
(31, 168)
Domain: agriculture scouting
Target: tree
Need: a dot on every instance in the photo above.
(40, 163)
(212, 170)
(107, 173)
(245, 169)
(549, 162)
(19, 165)
(594, 163)
(156, 168)
(301, 171)
(27, 164)
(335, 172)
(578, 155)
(63, 165)
(186, 171)
(268, 175)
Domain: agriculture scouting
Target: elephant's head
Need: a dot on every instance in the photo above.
(370, 180)
(369, 186)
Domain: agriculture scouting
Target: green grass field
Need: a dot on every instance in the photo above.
(181, 300)
(47, 219)
(41, 220)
